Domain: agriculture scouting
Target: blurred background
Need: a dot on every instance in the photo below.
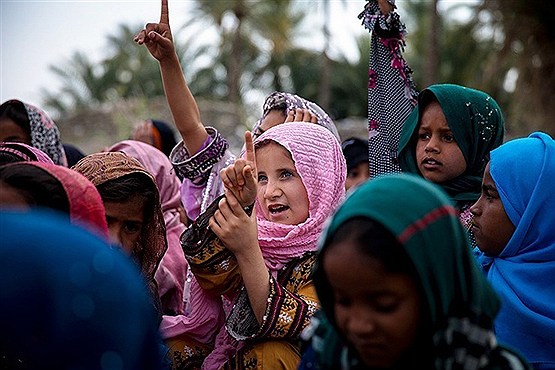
(235, 52)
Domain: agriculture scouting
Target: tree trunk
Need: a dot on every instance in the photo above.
(324, 94)
(431, 66)
(235, 65)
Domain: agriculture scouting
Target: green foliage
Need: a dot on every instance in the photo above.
(255, 51)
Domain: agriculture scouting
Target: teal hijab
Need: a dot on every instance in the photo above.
(460, 303)
(477, 123)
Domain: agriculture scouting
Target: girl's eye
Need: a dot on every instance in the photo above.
(423, 135)
(262, 178)
(342, 301)
(285, 174)
(386, 308)
(132, 227)
(449, 138)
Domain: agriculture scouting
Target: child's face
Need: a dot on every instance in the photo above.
(438, 155)
(376, 311)
(492, 228)
(11, 131)
(273, 118)
(357, 175)
(125, 222)
(281, 192)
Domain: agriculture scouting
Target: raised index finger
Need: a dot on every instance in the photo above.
(164, 16)
(249, 150)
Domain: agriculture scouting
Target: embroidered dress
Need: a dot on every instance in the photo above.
(288, 251)
(459, 304)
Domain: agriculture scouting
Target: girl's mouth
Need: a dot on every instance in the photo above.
(277, 208)
(431, 163)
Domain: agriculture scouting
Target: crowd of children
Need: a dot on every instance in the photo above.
(429, 244)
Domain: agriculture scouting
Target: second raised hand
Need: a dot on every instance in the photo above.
(249, 171)
(240, 178)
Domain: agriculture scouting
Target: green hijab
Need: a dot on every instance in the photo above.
(477, 124)
(460, 302)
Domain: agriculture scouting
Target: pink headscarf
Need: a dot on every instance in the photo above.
(26, 152)
(321, 165)
(86, 208)
(172, 271)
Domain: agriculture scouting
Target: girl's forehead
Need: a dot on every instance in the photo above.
(271, 149)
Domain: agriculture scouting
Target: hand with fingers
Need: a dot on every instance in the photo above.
(240, 178)
(301, 115)
(386, 6)
(237, 230)
(157, 37)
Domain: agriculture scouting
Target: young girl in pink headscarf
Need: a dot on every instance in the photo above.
(253, 250)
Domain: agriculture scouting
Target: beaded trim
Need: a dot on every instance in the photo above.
(198, 167)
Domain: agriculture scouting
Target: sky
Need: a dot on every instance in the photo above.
(35, 34)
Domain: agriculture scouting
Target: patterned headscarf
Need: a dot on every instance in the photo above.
(524, 272)
(26, 152)
(173, 268)
(477, 124)
(288, 102)
(86, 208)
(102, 167)
(321, 165)
(461, 304)
(45, 134)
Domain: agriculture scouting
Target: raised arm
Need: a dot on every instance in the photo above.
(157, 38)
(391, 91)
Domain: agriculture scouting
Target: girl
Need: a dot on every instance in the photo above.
(262, 273)
(69, 301)
(22, 122)
(157, 133)
(513, 226)
(203, 152)
(443, 133)
(171, 273)
(18, 152)
(400, 287)
(133, 211)
(26, 185)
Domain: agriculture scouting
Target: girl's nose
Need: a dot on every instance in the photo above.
(115, 237)
(475, 208)
(361, 322)
(272, 190)
(432, 145)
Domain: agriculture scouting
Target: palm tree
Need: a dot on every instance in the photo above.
(253, 38)
(324, 97)
(527, 48)
(127, 71)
